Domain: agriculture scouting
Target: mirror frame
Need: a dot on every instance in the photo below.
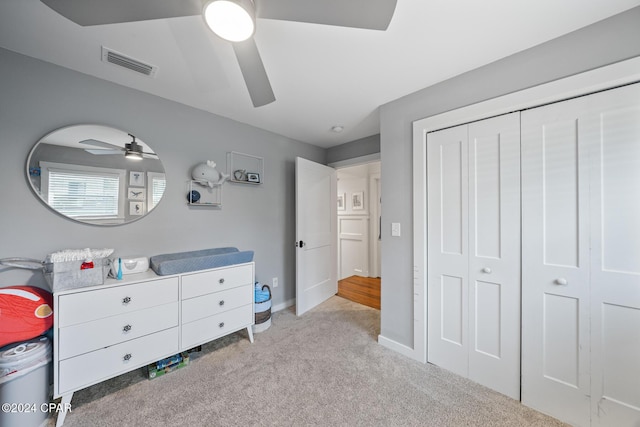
(85, 149)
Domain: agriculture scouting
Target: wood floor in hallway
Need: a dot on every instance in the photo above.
(363, 290)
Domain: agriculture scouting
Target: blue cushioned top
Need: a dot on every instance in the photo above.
(183, 262)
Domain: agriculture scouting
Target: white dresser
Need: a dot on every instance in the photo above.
(104, 331)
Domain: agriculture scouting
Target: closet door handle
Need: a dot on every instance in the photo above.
(561, 281)
(127, 328)
(486, 270)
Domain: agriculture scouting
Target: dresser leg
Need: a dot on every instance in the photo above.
(65, 405)
(250, 332)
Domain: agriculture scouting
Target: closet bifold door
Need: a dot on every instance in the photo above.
(473, 252)
(555, 258)
(611, 130)
(581, 259)
(448, 249)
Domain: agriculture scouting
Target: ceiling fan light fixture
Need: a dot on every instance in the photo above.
(232, 20)
(133, 151)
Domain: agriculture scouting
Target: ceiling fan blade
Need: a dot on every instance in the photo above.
(254, 73)
(96, 143)
(150, 156)
(102, 152)
(98, 12)
(370, 14)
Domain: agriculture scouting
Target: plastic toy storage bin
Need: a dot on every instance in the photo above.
(25, 373)
(69, 275)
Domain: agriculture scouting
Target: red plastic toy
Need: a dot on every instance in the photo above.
(25, 312)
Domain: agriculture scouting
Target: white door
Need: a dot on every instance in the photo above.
(581, 259)
(316, 234)
(473, 226)
(494, 251)
(611, 130)
(555, 264)
(447, 249)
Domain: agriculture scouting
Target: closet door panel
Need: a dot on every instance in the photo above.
(612, 132)
(494, 258)
(555, 263)
(447, 286)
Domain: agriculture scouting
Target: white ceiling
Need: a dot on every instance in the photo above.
(322, 76)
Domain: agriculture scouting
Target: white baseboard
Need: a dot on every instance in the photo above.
(397, 347)
(283, 305)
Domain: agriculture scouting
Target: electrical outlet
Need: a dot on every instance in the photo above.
(395, 229)
(274, 282)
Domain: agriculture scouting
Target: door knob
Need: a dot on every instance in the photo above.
(486, 270)
(299, 244)
(560, 281)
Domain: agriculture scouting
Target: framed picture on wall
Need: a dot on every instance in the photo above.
(136, 178)
(135, 193)
(136, 208)
(341, 205)
(357, 201)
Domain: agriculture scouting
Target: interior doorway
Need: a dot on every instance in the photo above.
(358, 223)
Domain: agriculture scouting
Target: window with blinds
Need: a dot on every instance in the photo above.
(84, 192)
(157, 184)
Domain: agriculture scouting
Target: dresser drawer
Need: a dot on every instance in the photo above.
(197, 284)
(81, 371)
(218, 302)
(85, 337)
(96, 304)
(213, 327)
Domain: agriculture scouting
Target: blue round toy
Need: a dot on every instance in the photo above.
(193, 197)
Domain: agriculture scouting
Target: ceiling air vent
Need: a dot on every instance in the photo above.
(121, 60)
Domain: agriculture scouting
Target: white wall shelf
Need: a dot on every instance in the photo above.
(205, 195)
(245, 168)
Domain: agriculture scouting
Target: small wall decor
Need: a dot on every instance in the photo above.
(136, 179)
(135, 193)
(357, 201)
(208, 174)
(341, 204)
(136, 208)
(245, 168)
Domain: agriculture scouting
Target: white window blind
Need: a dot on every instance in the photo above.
(78, 194)
(157, 184)
(84, 192)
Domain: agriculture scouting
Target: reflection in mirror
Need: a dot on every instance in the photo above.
(96, 174)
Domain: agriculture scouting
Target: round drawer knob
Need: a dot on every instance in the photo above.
(127, 357)
(221, 303)
(221, 281)
(221, 325)
(127, 328)
(126, 300)
(561, 281)
(486, 270)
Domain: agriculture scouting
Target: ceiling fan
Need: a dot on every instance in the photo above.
(132, 150)
(234, 21)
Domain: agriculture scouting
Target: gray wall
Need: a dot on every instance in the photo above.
(38, 97)
(358, 148)
(606, 42)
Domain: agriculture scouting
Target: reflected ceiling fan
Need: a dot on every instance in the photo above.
(234, 21)
(132, 150)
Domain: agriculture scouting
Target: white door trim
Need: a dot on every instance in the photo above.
(580, 84)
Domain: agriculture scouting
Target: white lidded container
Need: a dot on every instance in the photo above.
(25, 372)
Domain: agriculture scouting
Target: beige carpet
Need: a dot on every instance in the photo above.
(322, 369)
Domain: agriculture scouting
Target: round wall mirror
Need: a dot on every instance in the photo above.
(96, 174)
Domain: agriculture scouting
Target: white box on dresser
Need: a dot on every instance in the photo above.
(107, 330)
